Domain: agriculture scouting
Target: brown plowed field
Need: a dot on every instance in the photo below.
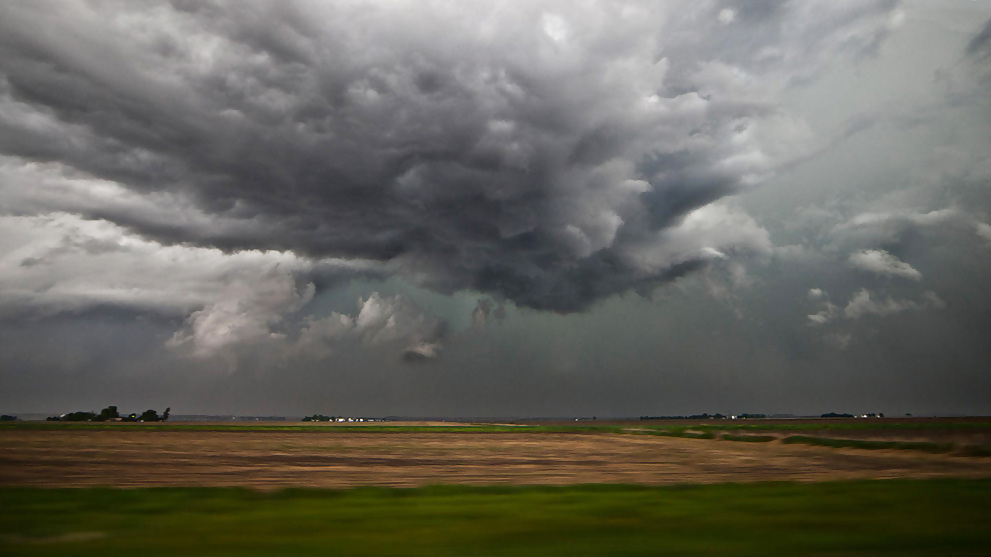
(275, 459)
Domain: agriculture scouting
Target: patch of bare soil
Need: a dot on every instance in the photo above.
(270, 460)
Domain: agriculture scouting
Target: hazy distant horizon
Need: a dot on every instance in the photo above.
(41, 416)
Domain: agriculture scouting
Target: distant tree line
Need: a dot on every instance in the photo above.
(836, 415)
(716, 416)
(110, 414)
(320, 418)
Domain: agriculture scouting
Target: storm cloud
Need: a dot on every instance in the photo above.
(552, 155)
(495, 208)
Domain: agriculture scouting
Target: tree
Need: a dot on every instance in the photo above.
(108, 413)
(149, 416)
(320, 418)
(78, 417)
(165, 416)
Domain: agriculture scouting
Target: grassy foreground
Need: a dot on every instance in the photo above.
(887, 517)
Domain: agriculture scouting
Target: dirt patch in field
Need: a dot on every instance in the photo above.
(269, 460)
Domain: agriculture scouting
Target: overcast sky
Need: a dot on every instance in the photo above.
(496, 208)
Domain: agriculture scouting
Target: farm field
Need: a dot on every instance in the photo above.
(270, 457)
(634, 488)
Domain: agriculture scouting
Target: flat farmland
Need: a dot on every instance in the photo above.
(330, 456)
(796, 488)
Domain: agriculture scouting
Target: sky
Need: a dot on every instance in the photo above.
(428, 208)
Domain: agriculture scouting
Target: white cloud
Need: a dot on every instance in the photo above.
(863, 304)
(828, 313)
(260, 316)
(247, 313)
(555, 27)
(712, 232)
(60, 262)
(883, 263)
(382, 322)
(984, 231)
(869, 229)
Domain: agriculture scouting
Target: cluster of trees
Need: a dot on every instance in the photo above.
(110, 414)
(8, 418)
(320, 418)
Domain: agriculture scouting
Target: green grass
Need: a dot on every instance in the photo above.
(707, 434)
(924, 446)
(749, 438)
(843, 425)
(894, 517)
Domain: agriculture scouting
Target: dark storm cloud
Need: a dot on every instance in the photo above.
(229, 207)
(980, 46)
(545, 154)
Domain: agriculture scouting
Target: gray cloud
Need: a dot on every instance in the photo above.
(277, 207)
(980, 46)
(547, 154)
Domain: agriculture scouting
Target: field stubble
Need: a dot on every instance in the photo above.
(348, 458)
